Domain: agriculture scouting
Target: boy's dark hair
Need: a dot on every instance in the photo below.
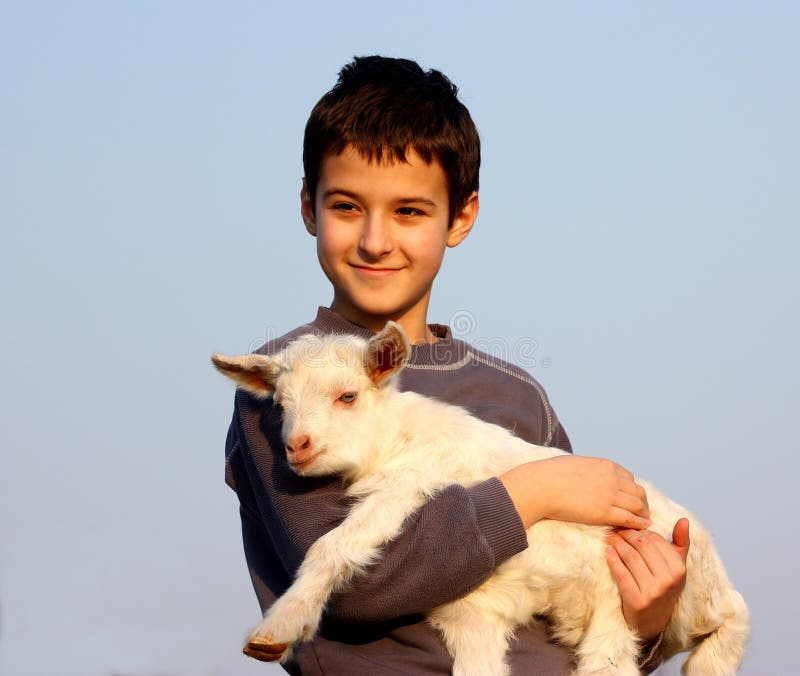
(383, 107)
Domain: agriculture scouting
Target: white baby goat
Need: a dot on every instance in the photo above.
(343, 415)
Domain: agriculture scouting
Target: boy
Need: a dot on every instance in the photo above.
(391, 162)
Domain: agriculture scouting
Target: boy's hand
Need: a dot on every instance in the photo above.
(579, 489)
(650, 574)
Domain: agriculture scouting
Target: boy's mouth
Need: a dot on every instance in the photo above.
(374, 273)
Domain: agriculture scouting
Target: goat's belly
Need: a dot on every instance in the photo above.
(561, 549)
(560, 575)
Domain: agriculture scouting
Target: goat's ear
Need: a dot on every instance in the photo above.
(387, 352)
(252, 372)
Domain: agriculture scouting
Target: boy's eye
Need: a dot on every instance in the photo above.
(410, 211)
(344, 206)
(348, 397)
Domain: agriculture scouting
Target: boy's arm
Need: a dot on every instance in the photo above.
(577, 489)
(447, 548)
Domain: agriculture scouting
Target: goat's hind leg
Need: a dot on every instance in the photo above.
(477, 639)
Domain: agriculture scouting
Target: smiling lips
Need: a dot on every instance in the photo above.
(374, 273)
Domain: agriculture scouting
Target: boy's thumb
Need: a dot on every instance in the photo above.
(680, 537)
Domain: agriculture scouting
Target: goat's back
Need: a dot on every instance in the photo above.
(452, 444)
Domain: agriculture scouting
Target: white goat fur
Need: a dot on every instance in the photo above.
(395, 450)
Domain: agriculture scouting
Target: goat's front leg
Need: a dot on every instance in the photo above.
(295, 616)
(330, 563)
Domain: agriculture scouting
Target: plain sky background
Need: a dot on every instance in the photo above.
(636, 251)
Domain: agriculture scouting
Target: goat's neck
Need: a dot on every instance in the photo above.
(391, 434)
(400, 421)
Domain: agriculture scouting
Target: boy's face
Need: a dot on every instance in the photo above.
(381, 231)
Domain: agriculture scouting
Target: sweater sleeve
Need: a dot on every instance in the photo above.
(448, 547)
(560, 438)
(651, 656)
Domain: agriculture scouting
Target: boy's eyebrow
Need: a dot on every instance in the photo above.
(417, 200)
(356, 196)
(339, 191)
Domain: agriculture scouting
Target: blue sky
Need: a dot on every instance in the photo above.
(636, 251)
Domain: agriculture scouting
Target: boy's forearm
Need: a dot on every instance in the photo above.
(446, 549)
(579, 489)
(527, 502)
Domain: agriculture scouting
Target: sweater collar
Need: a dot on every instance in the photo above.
(446, 352)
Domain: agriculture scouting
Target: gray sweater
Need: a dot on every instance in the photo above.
(448, 548)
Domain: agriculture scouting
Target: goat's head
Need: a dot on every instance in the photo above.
(329, 390)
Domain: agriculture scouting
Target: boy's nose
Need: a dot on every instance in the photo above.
(376, 237)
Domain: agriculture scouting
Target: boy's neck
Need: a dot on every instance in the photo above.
(416, 327)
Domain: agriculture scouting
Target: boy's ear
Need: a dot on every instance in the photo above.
(387, 353)
(252, 372)
(307, 210)
(463, 221)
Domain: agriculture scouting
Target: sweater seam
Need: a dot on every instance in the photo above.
(443, 367)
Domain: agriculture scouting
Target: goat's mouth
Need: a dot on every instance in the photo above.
(302, 463)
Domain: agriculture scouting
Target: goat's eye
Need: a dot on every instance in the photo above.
(348, 397)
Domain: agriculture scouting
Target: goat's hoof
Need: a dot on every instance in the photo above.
(262, 649)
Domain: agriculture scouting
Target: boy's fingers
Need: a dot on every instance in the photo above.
(639, 563)
(626, 583)
(633, 503)
(651, 549)
(633, 491)
(624, 518)
(629, 485)
(623, 473)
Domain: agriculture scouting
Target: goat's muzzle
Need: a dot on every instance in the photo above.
(299, 450)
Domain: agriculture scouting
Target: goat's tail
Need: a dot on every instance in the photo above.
(720, 653)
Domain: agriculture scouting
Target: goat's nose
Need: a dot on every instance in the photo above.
(297, 443)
